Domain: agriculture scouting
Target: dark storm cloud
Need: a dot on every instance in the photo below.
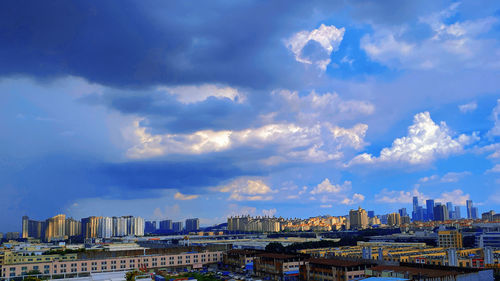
(47, 185)
(143, 43)
(164, 113)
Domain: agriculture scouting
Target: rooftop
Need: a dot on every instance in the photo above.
(415, 270)
(337, 262)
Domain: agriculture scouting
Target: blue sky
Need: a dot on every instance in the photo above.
(209, 109)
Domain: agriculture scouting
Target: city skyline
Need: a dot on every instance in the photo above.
(212, 109)
(418, 214)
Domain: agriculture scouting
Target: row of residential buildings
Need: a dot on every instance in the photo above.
(169, 226)
(60, 227)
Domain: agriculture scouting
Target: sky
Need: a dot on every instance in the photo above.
(177, 109)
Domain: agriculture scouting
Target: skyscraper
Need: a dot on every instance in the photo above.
(440, 212)
(469, 209)
(474, 213)
(449, 206)
(371, 214)
(192, 224)
(457, 215)
(430, 209)
(402, 212)
(414, 213)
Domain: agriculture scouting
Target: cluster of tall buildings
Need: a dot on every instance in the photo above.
(254, 224)
(435, 211)
(60, 228)
(168, 226)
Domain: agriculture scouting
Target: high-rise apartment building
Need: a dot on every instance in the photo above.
(32, 228)
(119, 226)
(192, 224)
(135, 226)
(430, 209)
(55, 228)
(358, 218)
(73, 227)
(405, 220)
(488, 216)
(90, 227)
(105, 227)
(165, 226)
(150, 227)
(394, 219)
(177, 226)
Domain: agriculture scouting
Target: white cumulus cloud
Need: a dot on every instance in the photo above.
(327, 187)
(290, 142)
(425, 142)
(355, 199)
(327, 37)
(457, 197)
(244, 189)
(335, 193)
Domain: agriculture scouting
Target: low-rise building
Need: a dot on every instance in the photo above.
(278, 266)
(103, 261)
(333, 269)
(239, 259)
(450, 239)
(430, 273)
